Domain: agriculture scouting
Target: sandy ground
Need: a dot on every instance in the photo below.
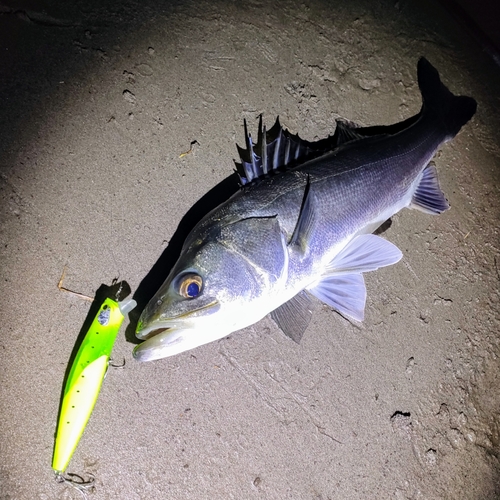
(98, 100)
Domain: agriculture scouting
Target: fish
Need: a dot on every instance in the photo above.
(301, 226)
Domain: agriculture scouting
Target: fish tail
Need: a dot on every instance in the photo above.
(452, 111)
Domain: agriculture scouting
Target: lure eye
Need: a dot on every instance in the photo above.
(190, 286)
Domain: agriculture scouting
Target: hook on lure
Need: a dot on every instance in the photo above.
(78, 482)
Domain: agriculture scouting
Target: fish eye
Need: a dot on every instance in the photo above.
(190, 285)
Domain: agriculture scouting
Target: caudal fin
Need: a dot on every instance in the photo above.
(452, 111)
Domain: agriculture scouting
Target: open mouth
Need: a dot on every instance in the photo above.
(159, 343)
(158, 326)
(148, 333)
(172, 336)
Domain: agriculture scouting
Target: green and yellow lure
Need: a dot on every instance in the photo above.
(85, 379)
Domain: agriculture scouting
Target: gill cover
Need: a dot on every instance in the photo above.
(214, 287)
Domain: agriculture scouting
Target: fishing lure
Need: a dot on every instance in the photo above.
(85, 379)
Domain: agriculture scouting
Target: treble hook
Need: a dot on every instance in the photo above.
(78, 482)
(113, 365)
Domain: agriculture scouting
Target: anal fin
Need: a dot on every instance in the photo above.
(428, 196)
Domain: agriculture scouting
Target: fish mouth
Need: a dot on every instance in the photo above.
(147, 332)
(151, 333)
(159, 343)
(170, 336)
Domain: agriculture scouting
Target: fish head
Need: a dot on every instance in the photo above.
(218, 286)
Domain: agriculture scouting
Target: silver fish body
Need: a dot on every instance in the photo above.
(303, 231)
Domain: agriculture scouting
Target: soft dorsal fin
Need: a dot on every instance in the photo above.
(347, 131)
(277, 149)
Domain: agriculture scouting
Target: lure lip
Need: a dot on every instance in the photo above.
(127, 305)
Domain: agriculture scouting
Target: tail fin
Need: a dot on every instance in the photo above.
(452, 111)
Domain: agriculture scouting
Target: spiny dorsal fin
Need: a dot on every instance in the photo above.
(276, 149)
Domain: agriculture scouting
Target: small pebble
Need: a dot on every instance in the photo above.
(129, 96)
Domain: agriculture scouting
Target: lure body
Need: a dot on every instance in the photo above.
(85, 379)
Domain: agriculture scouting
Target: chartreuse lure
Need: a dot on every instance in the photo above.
(85, 379)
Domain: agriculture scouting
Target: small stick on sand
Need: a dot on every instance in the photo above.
(63, 289)
(190, 149)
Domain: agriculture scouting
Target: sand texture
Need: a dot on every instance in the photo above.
(98, 100)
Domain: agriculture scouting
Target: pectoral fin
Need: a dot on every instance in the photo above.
(293, 316)
(342, 285)
(305, 221)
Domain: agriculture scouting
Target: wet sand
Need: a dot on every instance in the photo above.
(98, 102)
